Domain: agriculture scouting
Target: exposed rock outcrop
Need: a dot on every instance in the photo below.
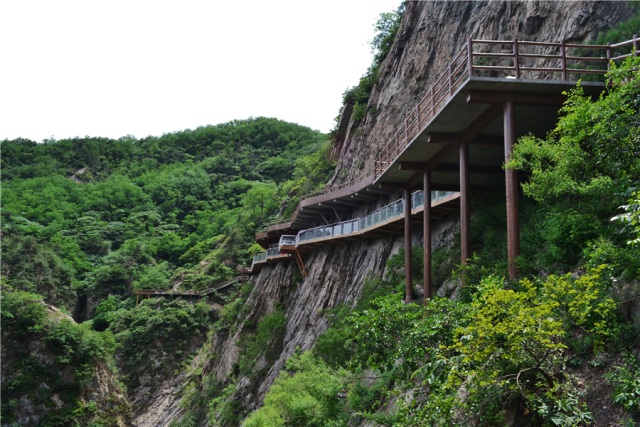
(87, 394)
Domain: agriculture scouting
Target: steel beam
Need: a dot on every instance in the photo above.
(451, 168)
(363, 197)
(407, 244)
(522, 98)
(332, 206)
(346, 203)
(426, 216)
(511, 176)
(478, 125)
(337, 214)
(379, 190)
(465, 215)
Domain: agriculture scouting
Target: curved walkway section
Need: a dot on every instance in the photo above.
(389, 218)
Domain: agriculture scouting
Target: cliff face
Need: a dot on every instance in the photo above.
(431, 33)
(50, 388)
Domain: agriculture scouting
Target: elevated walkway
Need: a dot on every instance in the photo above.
(168, 292)
(457, 138)
(388, 219)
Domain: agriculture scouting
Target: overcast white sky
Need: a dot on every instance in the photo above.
(148, 67)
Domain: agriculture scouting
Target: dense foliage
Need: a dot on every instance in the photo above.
(53, 363)
(180, 209)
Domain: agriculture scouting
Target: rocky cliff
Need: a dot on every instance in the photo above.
(55, 373)
(429, 33)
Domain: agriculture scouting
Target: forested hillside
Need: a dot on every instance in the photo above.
(91, 217)
(87, 220)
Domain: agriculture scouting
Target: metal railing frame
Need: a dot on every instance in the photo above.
(462, 67)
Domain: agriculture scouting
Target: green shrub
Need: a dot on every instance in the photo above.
(311, 397)
(76, 350)
(267, 342)
(625, 380)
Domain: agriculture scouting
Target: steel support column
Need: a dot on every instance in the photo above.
(427, 235)
(407, 243)
(513, 226)
(465, 212)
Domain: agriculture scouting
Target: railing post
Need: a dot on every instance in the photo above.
(608, 57)
(516, 58)
(563, 54)
(635, 44)
(470, 57)
(418, 116)
(450, 78)
(433, 100)
(406, 132)
(407, 245)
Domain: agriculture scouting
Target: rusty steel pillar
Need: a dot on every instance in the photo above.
(427, 235)
(513, 226)
(465, 211)
(407, 243)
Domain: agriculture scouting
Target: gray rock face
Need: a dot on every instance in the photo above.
(101, 389)
(432, 32)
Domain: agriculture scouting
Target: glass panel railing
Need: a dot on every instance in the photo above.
(287, 240)
(390, 211)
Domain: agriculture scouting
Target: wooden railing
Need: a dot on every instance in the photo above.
(463, 67)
